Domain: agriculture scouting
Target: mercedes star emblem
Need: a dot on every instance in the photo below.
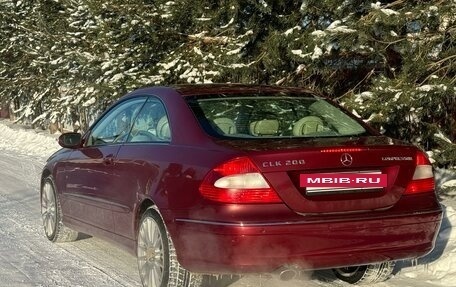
(346, 159)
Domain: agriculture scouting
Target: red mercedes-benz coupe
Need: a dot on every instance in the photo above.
(210, 179)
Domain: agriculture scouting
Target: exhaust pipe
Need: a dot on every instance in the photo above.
(287, 273)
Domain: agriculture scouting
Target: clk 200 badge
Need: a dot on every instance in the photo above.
(283, 163)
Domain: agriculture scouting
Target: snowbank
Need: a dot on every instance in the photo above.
(26, 141)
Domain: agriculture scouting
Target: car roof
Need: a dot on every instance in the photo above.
(210, 89)
(179, 91)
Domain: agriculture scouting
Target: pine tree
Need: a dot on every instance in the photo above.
(391, 62)
(412, 96)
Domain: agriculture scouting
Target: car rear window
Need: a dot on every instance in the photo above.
(272, 116)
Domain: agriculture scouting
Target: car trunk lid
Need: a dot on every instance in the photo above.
(282, 166)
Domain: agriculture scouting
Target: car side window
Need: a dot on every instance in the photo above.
(115, 126)
(151, 124)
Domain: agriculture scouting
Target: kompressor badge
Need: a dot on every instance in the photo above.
(393, 158)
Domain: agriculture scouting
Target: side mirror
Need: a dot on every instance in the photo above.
(70, 140)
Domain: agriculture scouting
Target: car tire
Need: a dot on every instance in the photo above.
(157, 260)
(51, 213)
(366, 274)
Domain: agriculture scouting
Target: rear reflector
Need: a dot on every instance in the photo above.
(237, 181)
(420, 186)
(423, 177)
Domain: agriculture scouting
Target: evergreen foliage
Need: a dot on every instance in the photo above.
(391, 62)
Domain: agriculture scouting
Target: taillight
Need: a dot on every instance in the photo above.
(237, 181)
(423, 178)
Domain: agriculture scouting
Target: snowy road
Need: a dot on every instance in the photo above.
(27, 258)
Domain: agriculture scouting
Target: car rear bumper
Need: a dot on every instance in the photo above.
(205, 246)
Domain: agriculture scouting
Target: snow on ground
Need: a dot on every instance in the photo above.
(26, 141)
(27, 258)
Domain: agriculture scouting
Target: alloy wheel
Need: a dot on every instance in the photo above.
(151, 253)
(48, 209)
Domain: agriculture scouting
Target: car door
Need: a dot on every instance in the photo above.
(89, 171)
(138, 163)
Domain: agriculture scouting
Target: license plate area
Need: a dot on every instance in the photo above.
(343, 182)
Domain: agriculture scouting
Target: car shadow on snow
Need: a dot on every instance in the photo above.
(220, 281)
(83, 236)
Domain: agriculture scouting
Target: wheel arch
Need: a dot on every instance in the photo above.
(142, 207)
(45, 174)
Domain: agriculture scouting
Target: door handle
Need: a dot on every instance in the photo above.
(109, 159)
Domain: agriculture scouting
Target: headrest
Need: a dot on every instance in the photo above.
(226, 125)
(308, 125)
(163, 131)
(264, 128)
